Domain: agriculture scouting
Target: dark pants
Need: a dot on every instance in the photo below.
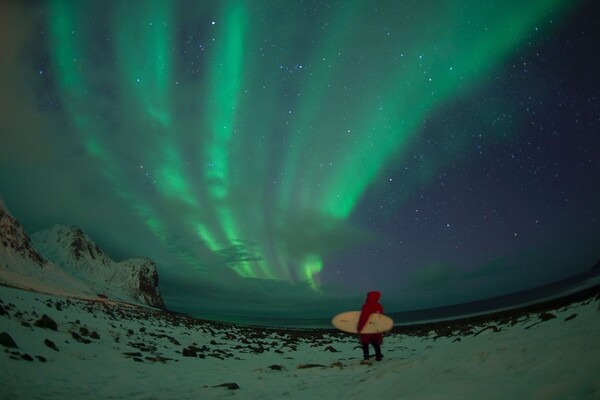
(376, 346)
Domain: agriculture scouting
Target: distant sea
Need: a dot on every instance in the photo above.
(524, 298)
(556, 290)
(270, 322)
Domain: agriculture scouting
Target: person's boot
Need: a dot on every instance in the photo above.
(365, 348)
(378, 355)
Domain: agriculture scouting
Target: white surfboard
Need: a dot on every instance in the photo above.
(348, 321)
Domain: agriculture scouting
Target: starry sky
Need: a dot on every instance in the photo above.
(283, 158)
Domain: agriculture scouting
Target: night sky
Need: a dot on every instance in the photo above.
(283, 158)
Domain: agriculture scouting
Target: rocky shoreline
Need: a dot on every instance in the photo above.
(227, 340)
(465, 325)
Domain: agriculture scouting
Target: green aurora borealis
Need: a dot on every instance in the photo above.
(342, 125)
(245, 140)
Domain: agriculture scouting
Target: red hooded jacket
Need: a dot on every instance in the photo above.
(371, 306)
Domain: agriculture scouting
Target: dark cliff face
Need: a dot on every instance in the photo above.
(82, 247)
(148, 278)
(13, 237)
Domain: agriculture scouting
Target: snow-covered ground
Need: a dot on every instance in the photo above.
(104, 350)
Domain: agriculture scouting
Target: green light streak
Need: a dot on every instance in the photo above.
(243, 168)
(394, 111)
(327, 62)
(311, 267)
(66, 27)
(172, 181)
(144, 40)
(144, 55)
(225, 83)
(204, 234)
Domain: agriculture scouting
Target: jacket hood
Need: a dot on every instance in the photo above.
(373, 297)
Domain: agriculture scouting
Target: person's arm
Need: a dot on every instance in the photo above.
(364, 317)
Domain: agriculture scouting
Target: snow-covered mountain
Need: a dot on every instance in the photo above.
(22, 266)
(65, 261)
(130, 280)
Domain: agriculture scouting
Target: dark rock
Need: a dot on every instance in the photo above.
(570, 317)
(547, 316)
(230, 386)
(174, 341)
(192, 351)
(488, 329)
(257, 350)
(7, 341)
(159, 359)
(170, 338)
(26, 357)
(46, 322)
(305, 366)
(132, 354)
(276, 367)
(76, 336)
(41, 358)
(331, 349)
(50, 344)
(189, 352)
(143, 346)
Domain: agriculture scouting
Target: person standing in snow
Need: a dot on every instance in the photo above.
(375, 339)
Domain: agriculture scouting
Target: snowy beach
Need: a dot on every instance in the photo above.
(69, 348)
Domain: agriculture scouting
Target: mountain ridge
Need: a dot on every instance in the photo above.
(64, 260)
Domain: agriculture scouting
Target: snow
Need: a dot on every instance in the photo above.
(71, 264)
(74, 251)
(529, 357)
